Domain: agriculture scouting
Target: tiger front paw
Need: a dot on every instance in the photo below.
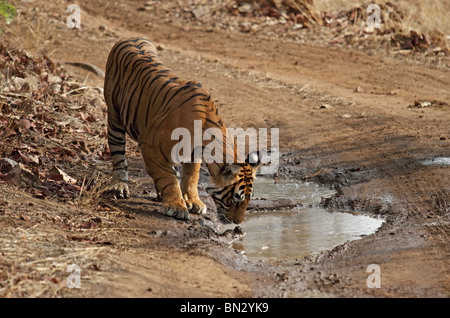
(118, 189)
(195, 206)
(176, 210)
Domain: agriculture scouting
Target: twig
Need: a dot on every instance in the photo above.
(78, 89)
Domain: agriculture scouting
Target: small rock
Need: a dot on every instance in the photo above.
(425, 104)
(44, 76)
(238, 231)
(369, 30)
(245, 8)
(54, 88)
(157, 233)
(394, 92)
(17, 84)
(96, 101)
(200, 12)
(54, 80)
(358, 89)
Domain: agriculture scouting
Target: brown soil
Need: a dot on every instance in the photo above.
(367, 143)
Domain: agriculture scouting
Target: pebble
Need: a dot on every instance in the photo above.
(17, 84)
(54, 80)
(54, 88)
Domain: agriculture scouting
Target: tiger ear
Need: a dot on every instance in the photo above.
(253, 160)
(230, 171)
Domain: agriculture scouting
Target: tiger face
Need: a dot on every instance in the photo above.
(232, 190)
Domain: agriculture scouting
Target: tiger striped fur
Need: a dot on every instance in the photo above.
(147, 101)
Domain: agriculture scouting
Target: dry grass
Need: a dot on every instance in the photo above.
(34, 263)
(41, 238)
(419, 25)
(403, 19)
(425, 16)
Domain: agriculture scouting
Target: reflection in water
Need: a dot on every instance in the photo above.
(293, 234)
(298, 233)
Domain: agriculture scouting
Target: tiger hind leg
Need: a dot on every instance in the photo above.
(189, 188)
(116, 141)
(166, 184)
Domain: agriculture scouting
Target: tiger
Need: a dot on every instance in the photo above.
(147, 101)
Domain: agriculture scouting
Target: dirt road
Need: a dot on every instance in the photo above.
(345, 121)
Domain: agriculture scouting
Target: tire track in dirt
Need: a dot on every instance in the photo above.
(421, 196)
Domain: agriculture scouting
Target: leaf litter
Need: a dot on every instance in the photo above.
(50, 126)
(53, 149)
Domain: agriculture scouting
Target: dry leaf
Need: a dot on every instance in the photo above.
(59, 175)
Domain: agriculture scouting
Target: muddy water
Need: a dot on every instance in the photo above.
(437, 161)
(295, 233)
(304, 193)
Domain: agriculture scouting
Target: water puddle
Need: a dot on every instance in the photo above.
(437, 161)
(304, 193)
(295, 233)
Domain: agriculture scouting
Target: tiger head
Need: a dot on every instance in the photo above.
(232, 189)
